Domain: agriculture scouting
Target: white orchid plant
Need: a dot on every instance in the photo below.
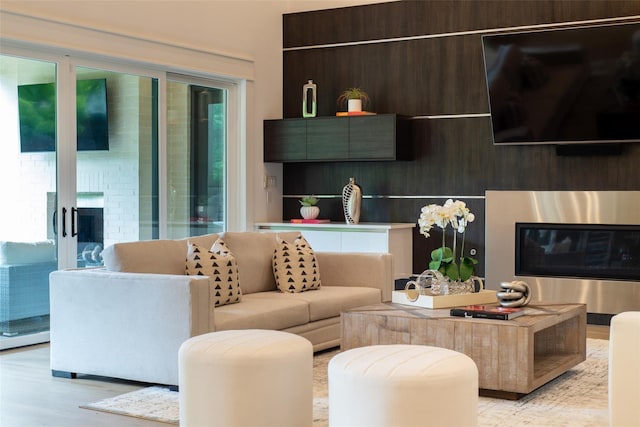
(445, 259)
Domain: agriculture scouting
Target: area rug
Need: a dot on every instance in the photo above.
(577, 398)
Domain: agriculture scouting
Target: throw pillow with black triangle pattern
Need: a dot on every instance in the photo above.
(295, 266)
(221, 266)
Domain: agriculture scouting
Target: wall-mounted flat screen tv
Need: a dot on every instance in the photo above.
(37, 113)
(572, 85)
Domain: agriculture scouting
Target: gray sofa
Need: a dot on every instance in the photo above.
(128, 320)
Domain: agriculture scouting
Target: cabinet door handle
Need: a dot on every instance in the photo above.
(74, 218)
(64, 222)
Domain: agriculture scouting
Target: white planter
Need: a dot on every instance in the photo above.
(309, 212)
(354, 105)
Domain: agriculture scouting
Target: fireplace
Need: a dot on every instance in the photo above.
(569, 246)
(90, 226)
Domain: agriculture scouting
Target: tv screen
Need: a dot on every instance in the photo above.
(564, 86)
(37, 112)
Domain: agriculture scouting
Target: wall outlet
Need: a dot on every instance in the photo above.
(268, 181)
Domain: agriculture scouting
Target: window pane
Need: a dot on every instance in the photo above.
(28, 188)
(196, 144)
(116, 161)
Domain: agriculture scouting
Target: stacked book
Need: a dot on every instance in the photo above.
(309, 221)
(487, 312)
(354, 113)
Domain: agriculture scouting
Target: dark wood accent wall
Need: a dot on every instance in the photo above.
(432, 76)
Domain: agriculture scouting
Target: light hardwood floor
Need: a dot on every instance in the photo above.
(30, 396)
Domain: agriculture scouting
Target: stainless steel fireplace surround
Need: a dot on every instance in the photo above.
(510, 215)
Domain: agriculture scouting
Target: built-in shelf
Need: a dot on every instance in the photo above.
(393, 238)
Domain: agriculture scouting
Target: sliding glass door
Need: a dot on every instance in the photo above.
(78, 171)
(197, 148)
(116, 161)
(99, 154)
(28, 185)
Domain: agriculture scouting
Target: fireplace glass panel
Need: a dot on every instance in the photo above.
(578, 250)
(90, 237)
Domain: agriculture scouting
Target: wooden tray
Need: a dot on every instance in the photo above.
(446, 301)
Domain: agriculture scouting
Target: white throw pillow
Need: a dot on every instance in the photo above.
(295, 266)
(221, 266)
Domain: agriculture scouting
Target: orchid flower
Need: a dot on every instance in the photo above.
(456, 214)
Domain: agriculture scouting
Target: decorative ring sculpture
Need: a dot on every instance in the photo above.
(412, 294)
(514, 294)
(427, 283)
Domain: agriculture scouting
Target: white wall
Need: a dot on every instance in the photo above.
(241, 29)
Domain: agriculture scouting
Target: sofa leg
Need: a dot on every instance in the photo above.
(174, 388)
(63, 374)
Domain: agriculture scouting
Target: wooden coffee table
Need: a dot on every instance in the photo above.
(514, 357)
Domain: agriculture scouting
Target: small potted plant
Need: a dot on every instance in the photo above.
(309, 210)
(452, 265)
(355, 98)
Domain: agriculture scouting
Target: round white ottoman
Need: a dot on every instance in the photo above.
(245, 378)
(402, 386)
(624, 370)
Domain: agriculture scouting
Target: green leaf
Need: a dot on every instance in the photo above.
(471, 261)
(447, 254)
(465, 272)
(452, 271)
(436, 259)
(309, 201)
(437, 254)
(467, 267)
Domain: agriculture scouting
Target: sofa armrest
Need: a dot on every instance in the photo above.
(113, 324)
(373, 270)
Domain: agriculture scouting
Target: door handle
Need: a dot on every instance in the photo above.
(74, 217)
(64, 222)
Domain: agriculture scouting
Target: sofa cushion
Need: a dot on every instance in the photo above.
(257, 312)
(328, 301)
(206, 240)
(295, 267)
(27, 252)
(253, 252)
(152, 256)
(220, 265)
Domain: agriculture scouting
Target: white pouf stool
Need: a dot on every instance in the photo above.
(244, 378)
(624, 369)
(402, 386)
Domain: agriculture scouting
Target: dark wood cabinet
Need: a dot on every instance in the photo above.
(285, 140)
(372, 137)
(328, 138)
(375, 137)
